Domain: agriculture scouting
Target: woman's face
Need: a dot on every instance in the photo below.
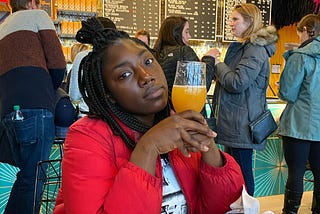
(135, 80)
(186, 34)
(238, 25)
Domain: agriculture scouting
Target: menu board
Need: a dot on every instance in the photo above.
(131, 15)
(200, 14)
(263, 5)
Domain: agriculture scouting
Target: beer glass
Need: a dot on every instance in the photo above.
(189, 88)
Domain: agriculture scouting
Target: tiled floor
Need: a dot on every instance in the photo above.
(274, 203)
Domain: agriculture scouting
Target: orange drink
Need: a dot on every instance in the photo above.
(188, 97)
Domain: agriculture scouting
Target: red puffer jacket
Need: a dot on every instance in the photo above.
(98, 178)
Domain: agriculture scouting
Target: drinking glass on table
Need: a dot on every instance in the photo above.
(189, 88)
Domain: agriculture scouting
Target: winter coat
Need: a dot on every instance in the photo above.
(241, 84)
(300, 86)
(99, 178)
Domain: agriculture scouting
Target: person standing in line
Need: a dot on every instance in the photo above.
(83, 37)
(241, 85)
(32, 67)
(143, 35)
(130, 148)
(172, 45)
(300, 121)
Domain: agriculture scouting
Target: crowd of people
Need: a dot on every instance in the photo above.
(127, 149)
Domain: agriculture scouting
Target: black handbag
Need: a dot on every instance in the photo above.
(9, 146)
(262, 127)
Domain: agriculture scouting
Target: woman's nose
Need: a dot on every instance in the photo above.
(145, 76)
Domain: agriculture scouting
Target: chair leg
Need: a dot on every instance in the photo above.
(41, 176)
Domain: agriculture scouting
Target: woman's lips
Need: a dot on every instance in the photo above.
(153, 92)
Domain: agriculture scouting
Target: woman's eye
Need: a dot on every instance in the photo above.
(125, 75)
(149, 61)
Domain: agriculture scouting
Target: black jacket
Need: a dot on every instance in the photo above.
(170, 55)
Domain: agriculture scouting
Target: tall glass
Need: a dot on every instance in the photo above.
(189, 88)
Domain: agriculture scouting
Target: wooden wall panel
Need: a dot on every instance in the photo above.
(287, 34)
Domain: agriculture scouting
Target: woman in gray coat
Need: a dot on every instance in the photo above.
(241, 85)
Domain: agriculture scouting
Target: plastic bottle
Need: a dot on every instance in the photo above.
(18, 116)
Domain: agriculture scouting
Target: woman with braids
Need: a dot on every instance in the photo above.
(130, 154)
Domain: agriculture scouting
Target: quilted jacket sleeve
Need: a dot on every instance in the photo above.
(219, 187)
(95, 180)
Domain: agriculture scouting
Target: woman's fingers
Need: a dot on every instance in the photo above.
(194, 121)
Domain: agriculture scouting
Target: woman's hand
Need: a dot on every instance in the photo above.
(214, 52)
(212, 156)
(176, 131)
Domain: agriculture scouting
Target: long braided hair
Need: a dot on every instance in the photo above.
(95, 92)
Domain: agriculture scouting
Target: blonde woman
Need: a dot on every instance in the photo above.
(241, 84)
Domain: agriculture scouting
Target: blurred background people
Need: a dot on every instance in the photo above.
(75, 49)
(300, 120)
(83, 36)
(241, 85)
(30, 74)
(172, 45)
(143, 35)
(65, 113)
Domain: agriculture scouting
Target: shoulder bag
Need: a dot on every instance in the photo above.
(262, 127)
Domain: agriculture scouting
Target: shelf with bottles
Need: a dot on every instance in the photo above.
(67, 28)
(66, 48)
(69, 14)
(69, 22)
(76, 6)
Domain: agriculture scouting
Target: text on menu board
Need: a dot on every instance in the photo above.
(200, 14)
(130, 16)
(263, 5)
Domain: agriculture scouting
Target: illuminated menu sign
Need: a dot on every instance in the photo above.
(200, 14)
(263, 5)
(131, 15)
